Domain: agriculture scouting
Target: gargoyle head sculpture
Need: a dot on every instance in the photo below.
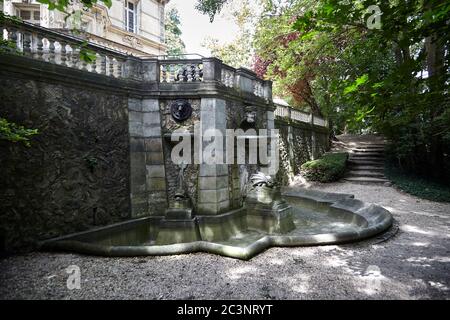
(261, 180)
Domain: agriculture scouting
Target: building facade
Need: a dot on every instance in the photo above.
(134, 27)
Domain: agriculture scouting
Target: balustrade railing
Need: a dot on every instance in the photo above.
(258, 88)
(181, 71)
(288, 113)
(228, 76)
(56, 47)
(300, 116)
(320, 122)
(62, 49)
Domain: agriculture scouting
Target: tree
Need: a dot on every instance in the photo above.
(210, 7)
(239, 52)
(328, 57)
(175, 46)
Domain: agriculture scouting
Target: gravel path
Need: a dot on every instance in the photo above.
(413, 264)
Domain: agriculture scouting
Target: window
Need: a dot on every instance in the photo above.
(131, 16)
(30, 14)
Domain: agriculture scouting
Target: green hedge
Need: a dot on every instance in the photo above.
(330, 167)
(418, 186)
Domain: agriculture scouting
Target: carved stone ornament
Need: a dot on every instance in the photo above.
(181, 110)
(133, 41)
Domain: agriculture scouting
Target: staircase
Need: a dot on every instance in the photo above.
(366, 158)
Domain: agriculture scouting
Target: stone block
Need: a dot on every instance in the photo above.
(213, 114)
(155, 171)
(136, 144)
(134, 104)
(150, 105)
(154, 158)
(135, 116)
(153, 144)
(151, 131)
(212, 69)
(212, 183)
(150, 70)
(137, 171)
(156, 184)
(136, 129)
(151, 118)
(213, 208)
(139, 204)
(213, 196)
(245, 84)
(213, 170)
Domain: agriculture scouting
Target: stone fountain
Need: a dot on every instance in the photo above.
(226, 207)
(267, 211)
(179, 223)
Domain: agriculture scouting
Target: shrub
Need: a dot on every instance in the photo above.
(419, 186)
(330, 167)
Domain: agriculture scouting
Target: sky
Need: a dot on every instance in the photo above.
(196, 27)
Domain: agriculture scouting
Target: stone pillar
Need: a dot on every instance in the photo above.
(148, 183)
(270, 125)
(212, 69)
(141, 70)
(244, 80)
(213, 187)
(267, 85)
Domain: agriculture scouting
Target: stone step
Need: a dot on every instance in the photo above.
(367, 145)
(365, 162)
(353, 157)
(367, 154)
(365, 173)
(369, 149)
(367, 168)
(366, 180)
(365, 151)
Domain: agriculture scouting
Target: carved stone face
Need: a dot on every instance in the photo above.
(250, 117)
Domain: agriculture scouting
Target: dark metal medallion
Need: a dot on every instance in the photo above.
(181, 110)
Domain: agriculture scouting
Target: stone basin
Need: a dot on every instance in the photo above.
(320, 218)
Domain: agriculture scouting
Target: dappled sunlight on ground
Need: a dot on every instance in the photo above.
(415, 229)
(413, 263)
(239, 272)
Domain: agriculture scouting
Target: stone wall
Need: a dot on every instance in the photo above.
(75, 175)
(299, 142)
(168, 125)
(103, 150)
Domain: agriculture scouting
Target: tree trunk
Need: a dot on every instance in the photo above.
(436, 81)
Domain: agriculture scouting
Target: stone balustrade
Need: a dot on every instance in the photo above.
(228, 76)
(245, 80)
(288, 113)
(59, 48)
(181, 71)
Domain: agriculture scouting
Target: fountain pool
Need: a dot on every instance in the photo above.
(318, 218)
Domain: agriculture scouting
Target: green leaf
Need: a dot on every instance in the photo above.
(87, 55)
(358, 82)
(12, 132)
(361, 80)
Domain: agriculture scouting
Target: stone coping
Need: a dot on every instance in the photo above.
(378, 220)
